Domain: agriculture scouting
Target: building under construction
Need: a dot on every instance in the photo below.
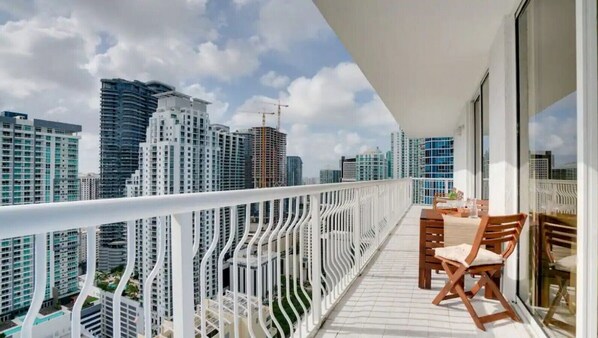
(269, 157)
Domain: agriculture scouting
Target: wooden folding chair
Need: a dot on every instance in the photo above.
(438, 198)
(559, 242)
(458, 261)
(483, 207)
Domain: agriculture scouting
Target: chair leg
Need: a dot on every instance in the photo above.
(454, 276)
(469, 306)
(555, 302)
(505, 304)
(477, 287)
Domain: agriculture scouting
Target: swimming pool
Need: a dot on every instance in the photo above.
(37, 321)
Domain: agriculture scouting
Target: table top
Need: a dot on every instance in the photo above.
(430, 214)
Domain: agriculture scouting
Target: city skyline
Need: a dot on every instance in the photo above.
(244, 53)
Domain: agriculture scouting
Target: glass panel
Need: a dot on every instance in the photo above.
(477, 115)
(548, 156)
(485, 161)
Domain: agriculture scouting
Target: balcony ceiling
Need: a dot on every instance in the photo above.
(423, 57)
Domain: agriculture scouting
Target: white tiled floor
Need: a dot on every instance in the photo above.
(386, 302)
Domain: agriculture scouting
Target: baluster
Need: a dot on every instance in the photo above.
(117, 300)
(147, 287)
(227, 246)
(89, 279)
(182, 275)
(39, 290)
(203, 287)
(236, 280)
(316, 267)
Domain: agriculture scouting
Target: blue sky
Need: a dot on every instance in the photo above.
(234, 53)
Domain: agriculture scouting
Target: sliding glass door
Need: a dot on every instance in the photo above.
(548, 162)
(481, 106)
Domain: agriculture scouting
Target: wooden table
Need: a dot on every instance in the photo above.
(431, 235)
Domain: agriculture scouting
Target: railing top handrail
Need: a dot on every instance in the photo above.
(431, 178)
(552, 181)
(29, 219)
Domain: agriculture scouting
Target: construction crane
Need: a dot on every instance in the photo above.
(279, 106)
(263, 146)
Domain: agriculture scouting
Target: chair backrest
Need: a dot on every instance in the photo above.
(482, 206)
(438, 197)
(496, 231)
(558, 238)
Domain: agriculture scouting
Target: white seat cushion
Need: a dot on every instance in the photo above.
(568, 263)
(443, 206)
(458, 253)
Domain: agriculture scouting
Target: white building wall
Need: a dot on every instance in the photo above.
(503, 182)
(463, 156)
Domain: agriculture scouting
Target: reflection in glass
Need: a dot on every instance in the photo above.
(485, 138)
(548, 156)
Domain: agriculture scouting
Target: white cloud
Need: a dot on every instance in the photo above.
(331, 114)
(53, 54)
(283, 23)
(217, 109)
(274, 80)
(27, 46)
(89, 148)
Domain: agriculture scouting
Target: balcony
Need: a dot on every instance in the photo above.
(260, 270)
(386, 302)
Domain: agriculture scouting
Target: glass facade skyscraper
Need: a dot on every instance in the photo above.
(371, 166)
(437, 162)
(438, 157)
(126, 107)
(330, 176)
(294, 171)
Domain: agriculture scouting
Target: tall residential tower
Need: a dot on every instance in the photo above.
(126, 107)
(40, 160)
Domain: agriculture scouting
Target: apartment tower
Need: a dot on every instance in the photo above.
(183, 154)
(40, 160)
(126, 107)
(371, 166)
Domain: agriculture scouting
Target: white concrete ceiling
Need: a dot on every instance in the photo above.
(423, 57)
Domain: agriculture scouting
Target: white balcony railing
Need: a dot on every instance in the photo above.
(424, 189)
(306, 244)
(553, 196)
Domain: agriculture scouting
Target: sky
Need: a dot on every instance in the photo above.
(233, 53)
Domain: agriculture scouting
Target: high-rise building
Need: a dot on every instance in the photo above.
(438, 157)
(89, 187)
(330, 176)
(247, 134)
(180, 156)
(416, 154)
(231, 152)
(39, 165)
(401, 161)
(126, 107)
(406, 156)
(269, 157)
(436, 162)
(131, 316)
(348, 169)
(371, 166)
(540, 165)
(294, 171)
(388, 164)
